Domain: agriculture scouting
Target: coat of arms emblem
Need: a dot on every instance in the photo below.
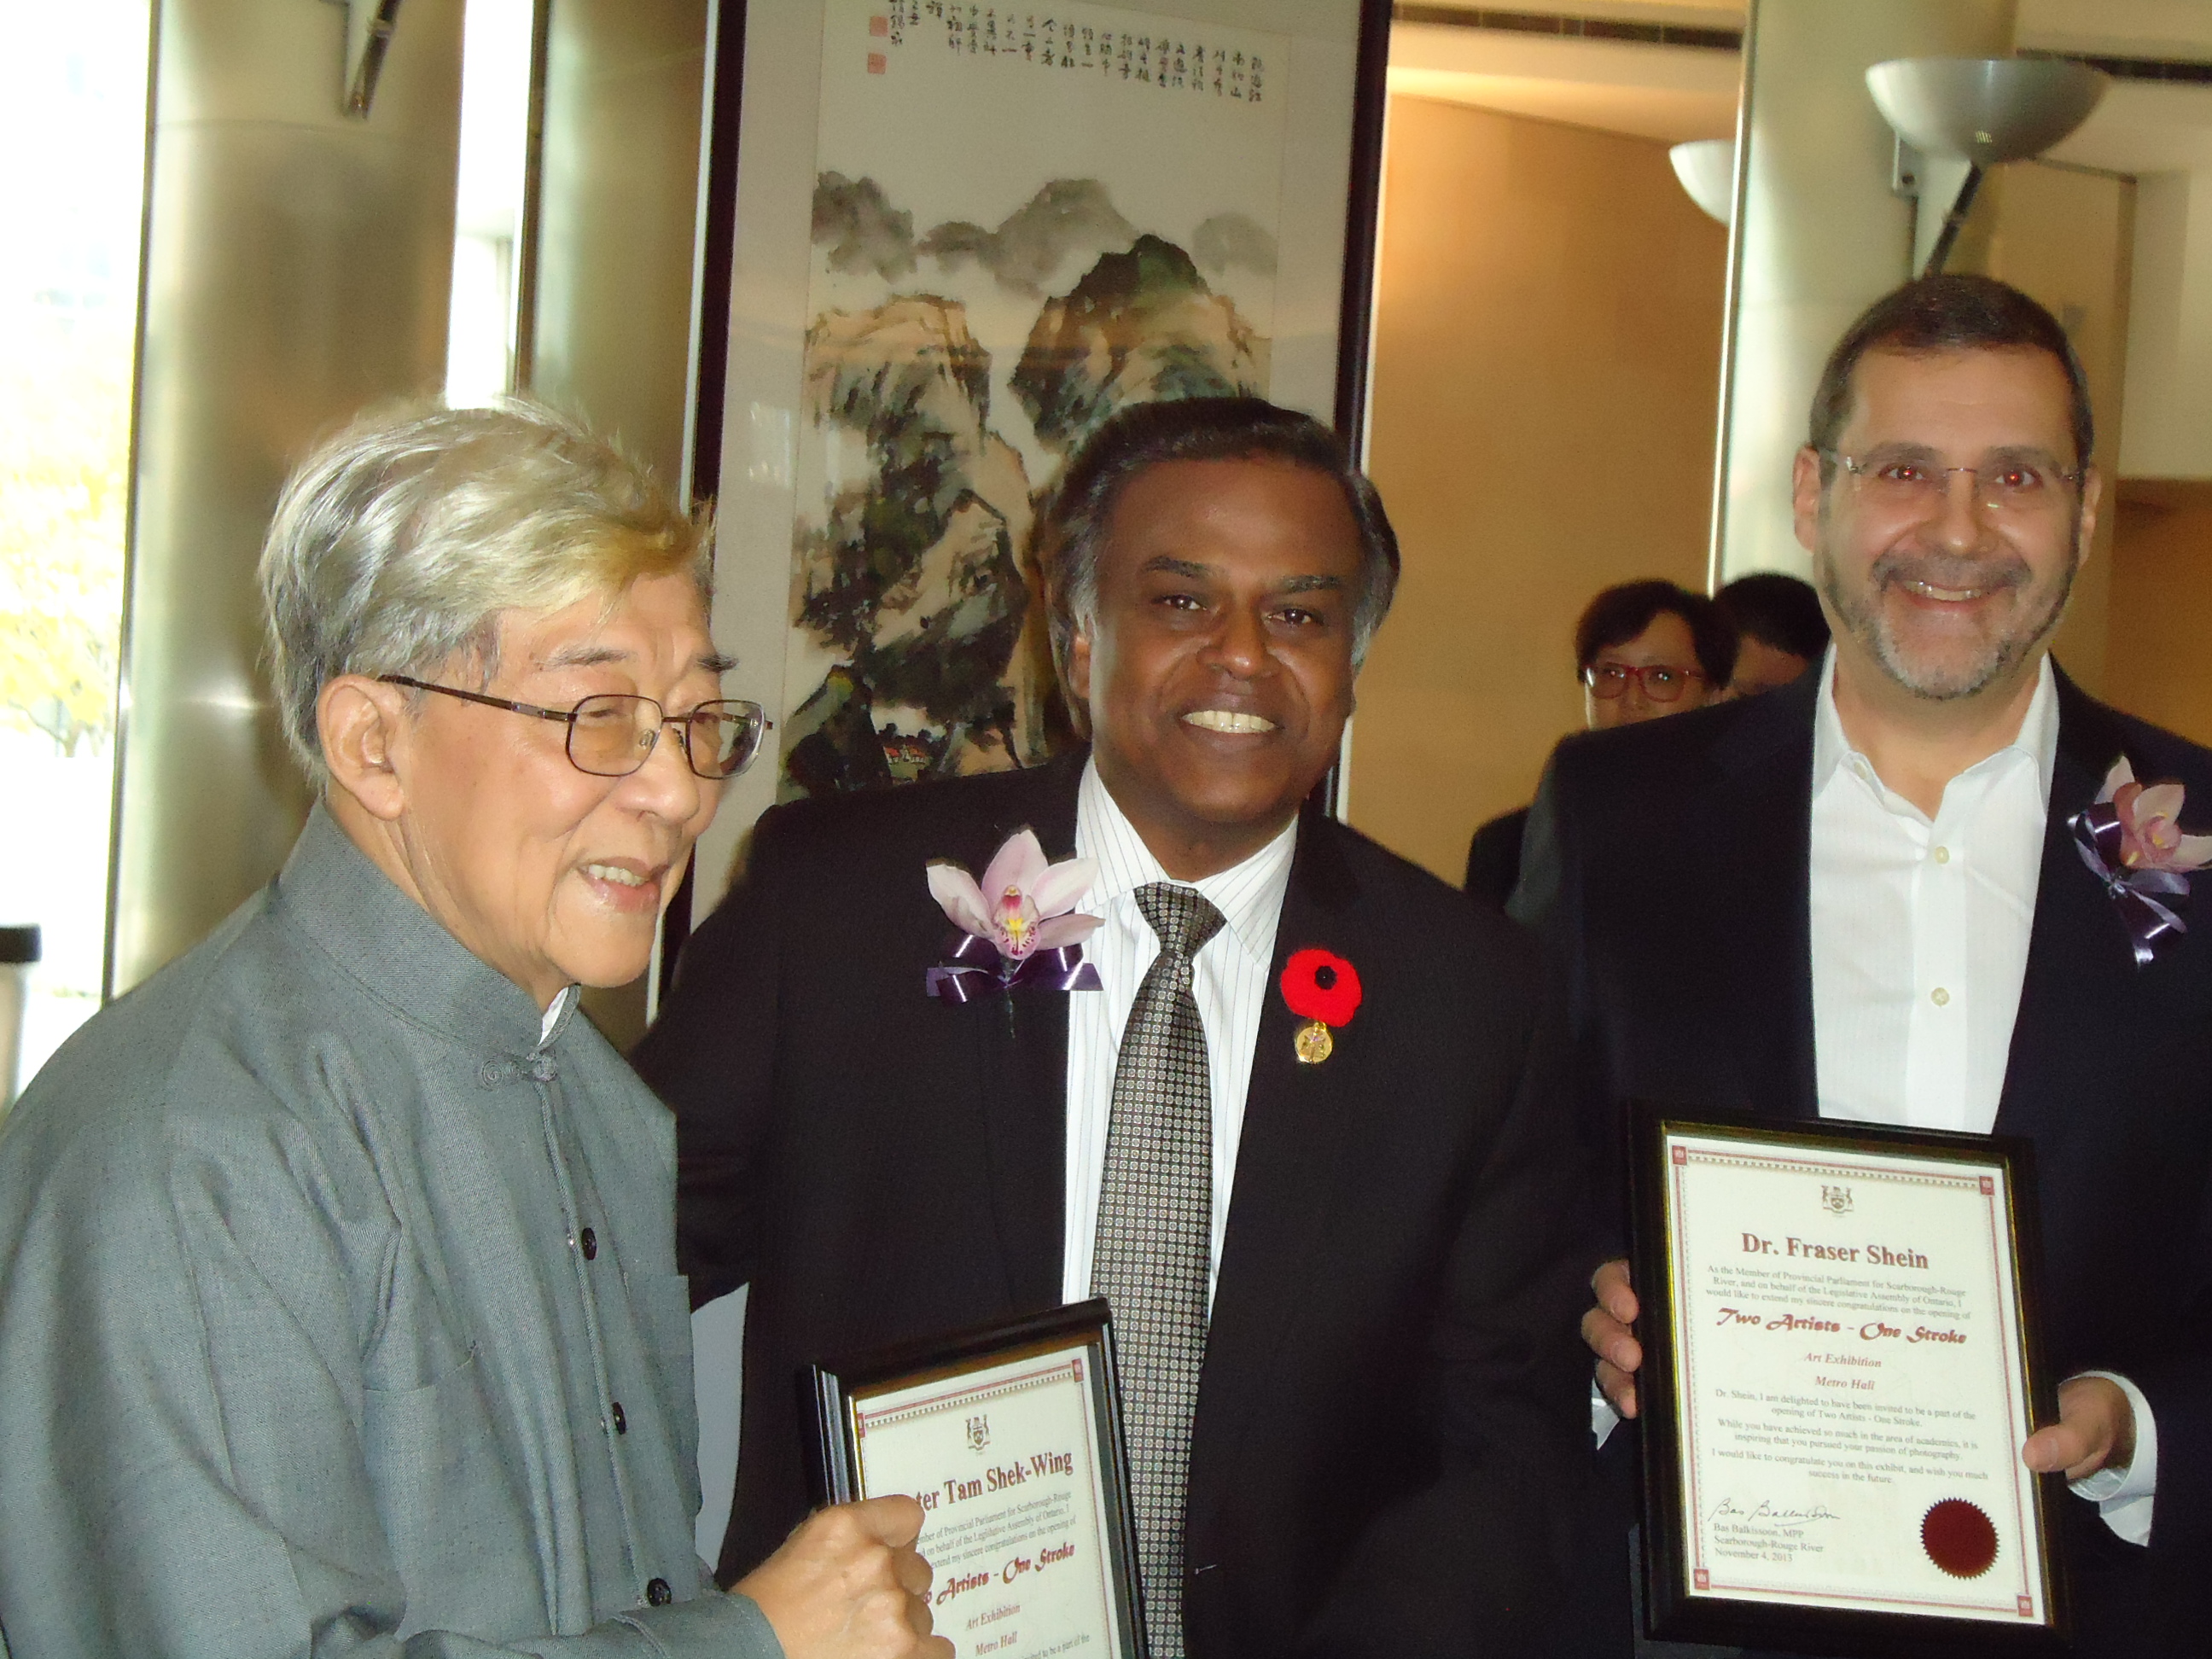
(1835, 1199)
(979, 1432)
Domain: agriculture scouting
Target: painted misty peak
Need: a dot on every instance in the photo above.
(1141, 326)
(1066, 218)
(912, 584)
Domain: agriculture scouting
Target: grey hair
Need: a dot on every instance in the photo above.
(397, 543)
(1071, 535)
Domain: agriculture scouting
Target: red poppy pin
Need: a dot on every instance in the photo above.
(1322, 989)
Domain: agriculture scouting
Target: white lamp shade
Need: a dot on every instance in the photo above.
(1985, 110)
(1707, 170)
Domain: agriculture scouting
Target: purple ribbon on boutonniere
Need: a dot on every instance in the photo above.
(1017, 925)
(2130, 838)
(972, 967)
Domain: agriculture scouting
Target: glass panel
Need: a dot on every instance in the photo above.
(73, 96)
(488, 209)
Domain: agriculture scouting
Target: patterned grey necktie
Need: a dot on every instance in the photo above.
(1155, 1239)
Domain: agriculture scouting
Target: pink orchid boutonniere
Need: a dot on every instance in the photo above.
(1018, 925)
(2132, 839)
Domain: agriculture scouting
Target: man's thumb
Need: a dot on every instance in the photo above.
(895, 1520)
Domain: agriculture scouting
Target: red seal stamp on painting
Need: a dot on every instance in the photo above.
(1959, 1538)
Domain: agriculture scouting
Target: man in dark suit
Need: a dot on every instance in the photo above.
(1781, 631)
(1384, 1257)
(1864, 896)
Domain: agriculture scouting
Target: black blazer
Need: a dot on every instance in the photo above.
(1493, 858)
(1666, 867)
(1392, 1426)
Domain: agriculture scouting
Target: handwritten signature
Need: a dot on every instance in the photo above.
(1728, 1510)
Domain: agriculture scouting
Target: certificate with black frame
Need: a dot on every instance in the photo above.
(1841, 1364)
(1010, 1437)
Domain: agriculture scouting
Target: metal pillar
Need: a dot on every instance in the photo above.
(613, 253)
(298, 266)
(1817, 235)
(615, 240)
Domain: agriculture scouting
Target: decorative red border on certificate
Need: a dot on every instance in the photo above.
(1702, 1573)
(1071, 1369)
(1018, 1384)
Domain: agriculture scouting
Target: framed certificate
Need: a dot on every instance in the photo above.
(1840, 1368)
(1010, 1437)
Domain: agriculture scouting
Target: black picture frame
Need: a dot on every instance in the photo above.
(750, 322)
(828, 1389)
(1672, 1611)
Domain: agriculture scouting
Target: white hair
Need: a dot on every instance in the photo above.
(397, 544)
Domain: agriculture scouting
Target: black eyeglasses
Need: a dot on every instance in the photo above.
(1660, 683)
(613, 734)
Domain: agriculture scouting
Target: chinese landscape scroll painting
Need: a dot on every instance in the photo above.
(1022, 220)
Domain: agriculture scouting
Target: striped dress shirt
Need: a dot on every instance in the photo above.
(1229, 983)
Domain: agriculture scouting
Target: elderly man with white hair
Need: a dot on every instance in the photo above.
(338, 1303)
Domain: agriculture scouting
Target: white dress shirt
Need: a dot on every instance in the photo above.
(1920, 926)
(1919, 942)
(1920, 932)
(1229, 982)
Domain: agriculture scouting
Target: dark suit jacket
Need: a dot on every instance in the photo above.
(1493, 858)
(1391, 1415)
(1667, 866)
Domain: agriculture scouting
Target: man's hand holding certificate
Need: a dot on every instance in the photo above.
(1841, 1379)
(1009, 1440)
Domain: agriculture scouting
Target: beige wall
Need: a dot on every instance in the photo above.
(1545, 373)
(2160, 604)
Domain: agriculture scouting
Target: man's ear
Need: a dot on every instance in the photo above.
(363, 724)
(2092, 495)
(1079, 667)
(1805, 498)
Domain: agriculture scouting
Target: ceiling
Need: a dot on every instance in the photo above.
(1667, 93)
(2120, 28)
(1710, 14)
(2125, 29)
(1672, 94)
(2145, 127)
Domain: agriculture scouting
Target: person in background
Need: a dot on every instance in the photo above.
(1642, 649)
(1780, 627)
(338, 1303)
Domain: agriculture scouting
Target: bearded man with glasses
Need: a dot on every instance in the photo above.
(1868, 894)
(339, 1302)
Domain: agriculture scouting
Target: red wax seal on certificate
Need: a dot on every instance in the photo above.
(1959, 1538)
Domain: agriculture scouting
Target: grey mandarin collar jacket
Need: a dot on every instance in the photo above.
(339, 1313)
